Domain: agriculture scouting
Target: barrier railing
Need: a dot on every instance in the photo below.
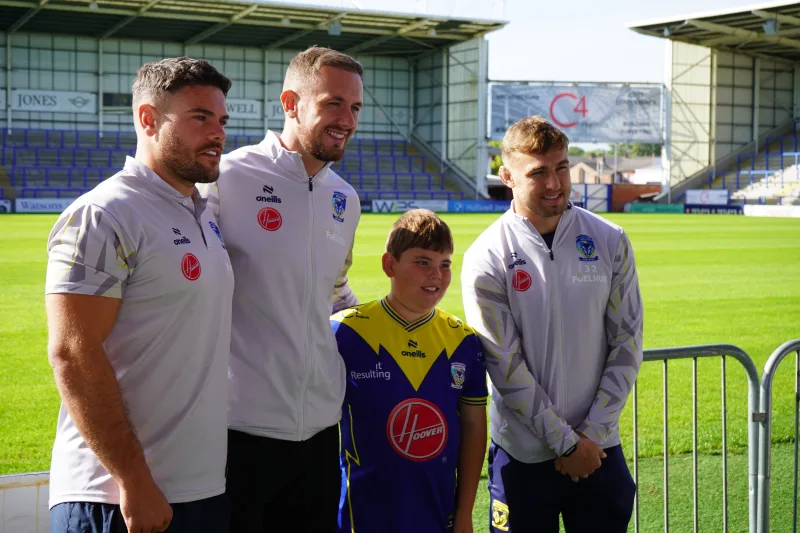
(765, 431)
(28, 492)
(694, 353)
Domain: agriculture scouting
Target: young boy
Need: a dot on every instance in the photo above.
(414, 412)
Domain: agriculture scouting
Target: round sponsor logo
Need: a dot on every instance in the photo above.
(417, 429)
(190, 266)
(270, 219)
(521, 280)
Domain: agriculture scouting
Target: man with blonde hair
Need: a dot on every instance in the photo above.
(290, 222)
(553, 293)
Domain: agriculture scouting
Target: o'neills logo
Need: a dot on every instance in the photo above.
(270, 219)
(417, 430)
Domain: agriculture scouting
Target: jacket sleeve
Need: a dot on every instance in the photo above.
(210, 191)
(623, 322)
(488, 312)
(343, 296)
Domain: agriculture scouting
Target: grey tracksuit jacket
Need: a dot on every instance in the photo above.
(561, 329)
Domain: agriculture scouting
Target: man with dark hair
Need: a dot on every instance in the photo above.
(139, 288)
(290, 223)
(553, 293)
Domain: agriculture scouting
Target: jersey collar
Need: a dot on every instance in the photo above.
(408, 326)
(290, 163)
(195, 204)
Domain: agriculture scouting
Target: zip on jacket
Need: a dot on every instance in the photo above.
(290, 239)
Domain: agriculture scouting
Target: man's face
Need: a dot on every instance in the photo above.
(193, 133)
(540, 183)
(420, 277)
(327, 113)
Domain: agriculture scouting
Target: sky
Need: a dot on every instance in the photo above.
(552, 40)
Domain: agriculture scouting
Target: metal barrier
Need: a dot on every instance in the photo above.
(694, 353)
(765, 432)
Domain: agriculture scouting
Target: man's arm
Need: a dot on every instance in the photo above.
(623, 321)
(343, 297)
(471, 452)
(88, 266)
(488, 311)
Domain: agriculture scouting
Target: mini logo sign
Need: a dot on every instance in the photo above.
(79, 101)
(417, 430)
(521, 281)
(270, 219)
(190, 266)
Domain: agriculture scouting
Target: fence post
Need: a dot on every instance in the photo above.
(765, 431)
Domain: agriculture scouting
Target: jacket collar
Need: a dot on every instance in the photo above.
(290, 163)
(522, 222)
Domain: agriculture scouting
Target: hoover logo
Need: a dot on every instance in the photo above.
(521, 281)
(417, 430)
(270, 219)
(190, 266)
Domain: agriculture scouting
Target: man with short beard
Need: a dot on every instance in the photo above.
(290, 222)
(553, 293)
(139, 288)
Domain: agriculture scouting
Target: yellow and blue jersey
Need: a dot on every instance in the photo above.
(400, 425)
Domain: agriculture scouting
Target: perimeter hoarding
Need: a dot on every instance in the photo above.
(596, 113)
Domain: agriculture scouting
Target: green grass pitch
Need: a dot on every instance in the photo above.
(704, 279)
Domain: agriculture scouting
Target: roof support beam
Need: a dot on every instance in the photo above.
(293, 37)
(785, 19)
(27, 16)
(124, 22)
(744, 34)
(383, 38)
(222, 25)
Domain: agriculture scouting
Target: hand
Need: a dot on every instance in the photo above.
(144, 507)
(582, 462)
(462, 522)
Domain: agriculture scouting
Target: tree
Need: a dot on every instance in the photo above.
(576, 151)
(637, 150)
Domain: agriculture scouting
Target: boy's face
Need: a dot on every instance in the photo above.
(420, 277)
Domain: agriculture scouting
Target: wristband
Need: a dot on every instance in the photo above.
(570, 451)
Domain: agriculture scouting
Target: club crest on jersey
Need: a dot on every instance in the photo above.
(417, 430)
(339, 204)
(459, 372)
(585, 246)
(215, 229)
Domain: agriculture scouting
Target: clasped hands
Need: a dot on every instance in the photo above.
(583, 461)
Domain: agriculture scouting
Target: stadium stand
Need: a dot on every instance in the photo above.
(772, 177)
(66, 164)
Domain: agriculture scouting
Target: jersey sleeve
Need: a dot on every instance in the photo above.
(88, 254)
(475, 391)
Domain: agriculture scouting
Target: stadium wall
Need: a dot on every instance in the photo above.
(450, 87)
(720, 102)
(107, 68)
